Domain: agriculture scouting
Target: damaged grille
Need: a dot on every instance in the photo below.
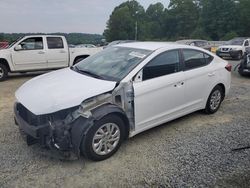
(37, 120)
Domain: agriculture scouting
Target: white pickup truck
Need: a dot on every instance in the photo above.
(40, 52)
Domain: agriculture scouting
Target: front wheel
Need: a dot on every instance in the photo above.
(3, 72)
(104, 138)
(214, 100)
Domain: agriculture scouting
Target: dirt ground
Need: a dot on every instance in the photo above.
(193, 151)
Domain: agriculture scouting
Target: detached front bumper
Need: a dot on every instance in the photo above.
(56, 136)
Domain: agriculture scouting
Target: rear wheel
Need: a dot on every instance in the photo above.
(3, 72)
(214, 100)
(104, 138)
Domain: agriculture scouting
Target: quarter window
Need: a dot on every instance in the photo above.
(55, 42)
(34, 43)
(164, 64)
(195, 59)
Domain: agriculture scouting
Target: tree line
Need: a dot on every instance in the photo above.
(182, 19)
(72, 38)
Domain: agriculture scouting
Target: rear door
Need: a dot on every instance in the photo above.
(200, 75)
(32, 54)
(159, 96)
(57, 55)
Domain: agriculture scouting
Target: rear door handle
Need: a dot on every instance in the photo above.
(62, 51)
(179, 84)
(41, 52)
(211, 74)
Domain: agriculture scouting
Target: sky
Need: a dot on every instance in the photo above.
(47, 16)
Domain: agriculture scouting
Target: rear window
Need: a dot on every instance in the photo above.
(195, 59)
(55, 42)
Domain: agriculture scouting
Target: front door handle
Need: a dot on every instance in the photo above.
(41, 52)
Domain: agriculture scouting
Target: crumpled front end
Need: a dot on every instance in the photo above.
(52, 131)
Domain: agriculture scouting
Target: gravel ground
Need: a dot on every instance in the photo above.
(193, 151)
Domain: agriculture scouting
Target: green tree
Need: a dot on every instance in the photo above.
(154, 21)
(219, 17)
(243, 7)
(124, 21)
(181, 18)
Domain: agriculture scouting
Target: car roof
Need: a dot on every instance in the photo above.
(153, 45)
(190, 40)
(36, 35)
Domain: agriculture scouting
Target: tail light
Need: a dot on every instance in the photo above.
(229, 67)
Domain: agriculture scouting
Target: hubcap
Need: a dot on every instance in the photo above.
(106, 139)
(1, 72)
(215, 100)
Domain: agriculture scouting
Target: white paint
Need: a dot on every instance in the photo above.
(156, 101)
(60, 90)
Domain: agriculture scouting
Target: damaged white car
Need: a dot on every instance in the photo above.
(115, 94)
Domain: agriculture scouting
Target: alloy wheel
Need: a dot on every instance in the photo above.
(106, 138)
(215, 100)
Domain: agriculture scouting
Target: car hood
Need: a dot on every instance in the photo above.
(231, 46)
(60, 90)
(4, 52)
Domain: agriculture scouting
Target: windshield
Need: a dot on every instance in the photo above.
(235, 42)
(19, 38)
(113, 63)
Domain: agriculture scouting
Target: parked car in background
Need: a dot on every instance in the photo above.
(118, 93)
(40, 52)
(195, 42)
(85, 46)
(234, 48)
(4, 45)
(244, 66)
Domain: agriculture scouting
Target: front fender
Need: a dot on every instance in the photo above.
(5, 55)
(81, 125)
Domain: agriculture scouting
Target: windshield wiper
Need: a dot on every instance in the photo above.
(88, 73)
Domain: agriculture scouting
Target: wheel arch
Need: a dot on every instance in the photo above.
(108, 109)
(80, 57)
(5, 62)
(81, 126)
(223, 89)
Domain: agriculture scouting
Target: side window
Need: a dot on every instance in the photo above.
(164, 64)
(246, 43)
(195, 59)
(55, 42)
(34, 43)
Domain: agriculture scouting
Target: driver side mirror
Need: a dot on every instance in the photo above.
(18, 47)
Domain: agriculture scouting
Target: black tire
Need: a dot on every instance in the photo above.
(87, 142)
(241, 72)
(213, 106)
(239, 56)
(3, 72)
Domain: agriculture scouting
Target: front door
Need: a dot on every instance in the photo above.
(160, 95)
(31, 55)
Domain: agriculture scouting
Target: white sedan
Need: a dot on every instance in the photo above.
(117, 93)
